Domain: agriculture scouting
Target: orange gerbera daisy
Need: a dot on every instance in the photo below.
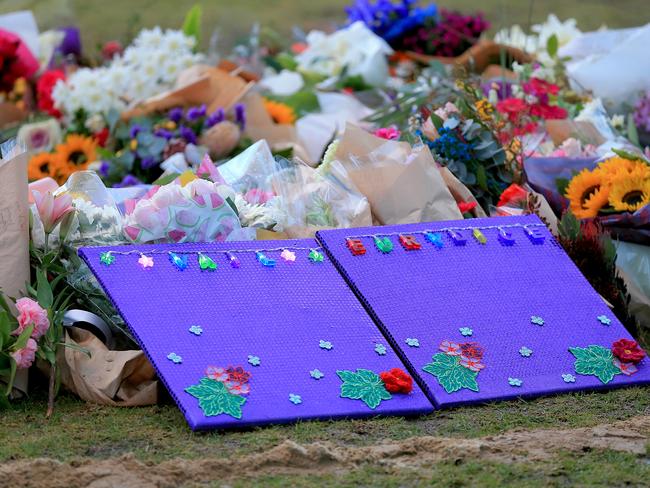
(281, 113)
(75, 154)
(41, 165)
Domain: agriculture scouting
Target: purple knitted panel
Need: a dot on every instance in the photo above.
(276, 315)
(524, 304)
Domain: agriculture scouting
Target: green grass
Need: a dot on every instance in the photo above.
(158, 433)
(120, 19)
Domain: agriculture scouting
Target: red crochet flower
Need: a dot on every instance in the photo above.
(397, 381)
(44, 88)
(628, 351)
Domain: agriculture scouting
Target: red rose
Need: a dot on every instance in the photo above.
(514, 195)
(465, 207)
(628, 351)
(397, 381)
(44, 88)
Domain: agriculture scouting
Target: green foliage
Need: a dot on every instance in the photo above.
(595, 360)
(363, 385)
(451, 375)
(552, 46)
(569, 226)
(215, 399)
(192, 23)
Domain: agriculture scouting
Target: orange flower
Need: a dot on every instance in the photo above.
(280, 112)
(42, 165)
(75, 154)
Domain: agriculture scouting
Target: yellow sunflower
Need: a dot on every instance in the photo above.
(630, 193)
(42, 165)
(616, 165)
(587, 193)
(280, 112)
(75, 154)
(485, 109)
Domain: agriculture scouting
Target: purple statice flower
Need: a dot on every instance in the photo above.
(195, 113)
(148, 162)
(104, 168)
(175, 114)
(240, 115)
(642, 112)
(134, 131)
(187, 134)
(215, 117)
(164, 133)
(128, 180)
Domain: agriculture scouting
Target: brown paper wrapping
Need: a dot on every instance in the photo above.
(402, 184)
(116, 378)
(460, 192)
(10, 114)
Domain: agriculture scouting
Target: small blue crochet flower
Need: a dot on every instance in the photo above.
(316, 374)
(412, 342)
(325, 345)
(537, 320)
(175, 358)
(196, 330)
(380, 349)
(604, 319)
(525, 352)
(466, 331)
(295, 399)
(515, 382)
(569, 378)
(254, 360)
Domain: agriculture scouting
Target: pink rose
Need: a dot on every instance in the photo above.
(25, 357)
(31, 313)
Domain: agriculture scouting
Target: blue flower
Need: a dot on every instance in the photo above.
(466, 331)
(195, 113)
(295, 399)
(515, 382)
(525, 352)
(254, 360)
(196, 330)
(380, 349)
(240, 115)
(215, 117)
(604, 319)
(325, 345)
(175, 114)
(316, 374)
(412, 342)
(569, 378)
(536, 320)
(134, 131)
(174, 358)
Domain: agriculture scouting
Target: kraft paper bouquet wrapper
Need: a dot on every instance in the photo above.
(402, 183)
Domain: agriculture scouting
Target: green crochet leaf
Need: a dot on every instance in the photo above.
(363, 385)
(595, 360)
(451, 375)
(215, 399)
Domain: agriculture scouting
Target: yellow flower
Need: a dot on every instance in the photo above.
(42, 165)
(170, 125)
(617, 165)
(75, 154)
(587, 193)
(133, 145)
(280, 112)
(485, 109)
(628, 193)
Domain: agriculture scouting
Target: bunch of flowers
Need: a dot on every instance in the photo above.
(76, 153)
(148, 67)
(617, 184)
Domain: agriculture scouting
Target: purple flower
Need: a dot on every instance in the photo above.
(148, 162)
(104, 168)
(240, 115)
(128, 180)
(195, 113)
(175, 114)
(134, 131)
(642, 112)
(164, 133)
(215, 117)
(187, 134)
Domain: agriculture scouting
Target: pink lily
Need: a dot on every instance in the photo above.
(52, 209)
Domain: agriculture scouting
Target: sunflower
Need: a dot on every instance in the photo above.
(617, 165)
(630, 193)
(42, 165)
(75, 154)
(281, 113)
(587, 193)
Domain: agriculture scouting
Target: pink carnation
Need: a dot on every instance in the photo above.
(25, 357)
(390, 133)
(31, 313)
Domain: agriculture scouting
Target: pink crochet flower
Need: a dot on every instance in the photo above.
(31, 313)
(25, 357)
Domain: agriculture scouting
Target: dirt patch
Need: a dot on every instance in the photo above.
(288, 457)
